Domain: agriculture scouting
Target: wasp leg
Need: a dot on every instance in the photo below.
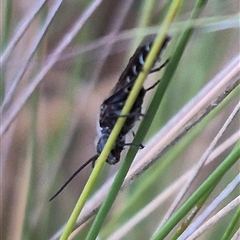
(140, 146)
(153, 86)
(160, 67)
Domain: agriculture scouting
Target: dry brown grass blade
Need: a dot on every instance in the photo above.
(20, 102)
(213, 220)
(23, 26)
(201, 163)
(33, 48)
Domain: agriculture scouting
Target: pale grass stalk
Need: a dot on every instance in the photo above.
(195, 225)
(69, 36)
(183, 121)
(210, 24)
(32, 50)
(149, 208)
(225, 145)
(75, 232)
(230, 141)
(201, 162)
(119, 18)
(216, 218)
(236, 236)
(22, 28)
(162, 197)
(99, 43)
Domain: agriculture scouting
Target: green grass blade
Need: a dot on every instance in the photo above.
(232, 225)
(187, 206)
(126, 165)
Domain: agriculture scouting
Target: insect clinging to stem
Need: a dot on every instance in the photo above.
(111, 107)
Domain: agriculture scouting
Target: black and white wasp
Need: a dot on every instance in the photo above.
(111, 107)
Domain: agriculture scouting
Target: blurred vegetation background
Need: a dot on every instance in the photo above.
(55, 131)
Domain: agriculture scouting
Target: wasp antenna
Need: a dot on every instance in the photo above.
(92, 159)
